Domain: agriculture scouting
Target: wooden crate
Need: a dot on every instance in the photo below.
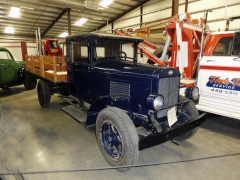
(53, 68)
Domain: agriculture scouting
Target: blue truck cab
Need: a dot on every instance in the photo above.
(133, 106)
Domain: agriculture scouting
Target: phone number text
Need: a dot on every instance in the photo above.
(224, 91)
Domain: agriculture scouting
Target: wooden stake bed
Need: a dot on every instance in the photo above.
(53, 68)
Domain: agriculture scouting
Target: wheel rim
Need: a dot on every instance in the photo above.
(40, 95)
(111, 141)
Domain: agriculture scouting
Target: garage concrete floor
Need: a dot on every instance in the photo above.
(35, 139)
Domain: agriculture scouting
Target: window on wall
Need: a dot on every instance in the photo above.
(80, 52)
(223, 47)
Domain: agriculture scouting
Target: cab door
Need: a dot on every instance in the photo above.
(219, 81)
(81, 86)
(8, 71)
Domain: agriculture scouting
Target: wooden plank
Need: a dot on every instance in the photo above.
(60, 59)
(54, 69)
(42, 67)
(37, 71)
(48, 59)
(28, 65)
(32, 62)
(58, 67)
(60, 77)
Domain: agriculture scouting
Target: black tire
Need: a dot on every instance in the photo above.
(4, 87)
(29, 81)
(191, 110)
(117, 138)
(44, 93)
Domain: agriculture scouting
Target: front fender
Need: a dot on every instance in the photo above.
(101, 103)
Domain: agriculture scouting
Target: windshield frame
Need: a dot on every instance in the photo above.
(134, 57)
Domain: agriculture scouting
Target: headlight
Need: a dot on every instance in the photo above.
(192, 93)
(155, 102)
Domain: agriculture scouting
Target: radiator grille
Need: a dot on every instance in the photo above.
(119, 89)
(169, 89)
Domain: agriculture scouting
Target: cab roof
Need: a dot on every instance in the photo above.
(104, 35)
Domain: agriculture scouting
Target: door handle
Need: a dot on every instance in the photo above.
(210, 61)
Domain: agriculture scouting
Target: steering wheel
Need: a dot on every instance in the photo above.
(122, 53)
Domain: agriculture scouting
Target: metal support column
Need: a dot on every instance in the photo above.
(24, 50)
(175, 4)
(69, 22)
(141, 16)
(186, 5)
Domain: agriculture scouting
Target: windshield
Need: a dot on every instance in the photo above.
(4, 55)
(53, 44)
(113, 49)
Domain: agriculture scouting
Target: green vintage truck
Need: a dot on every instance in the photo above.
(12, 73)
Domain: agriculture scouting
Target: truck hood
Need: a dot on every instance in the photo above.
(127, 67)
(118, 66)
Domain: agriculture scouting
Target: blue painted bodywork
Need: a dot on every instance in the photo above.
(92, 81)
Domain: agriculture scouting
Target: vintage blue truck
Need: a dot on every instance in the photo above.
(132, 106)
(12, 72)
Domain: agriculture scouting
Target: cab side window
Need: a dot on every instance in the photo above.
(5, 55)
(80, 52)
(223, 47)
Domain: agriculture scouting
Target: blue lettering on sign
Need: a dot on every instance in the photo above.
(215, 81)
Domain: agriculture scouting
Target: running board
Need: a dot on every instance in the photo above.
(75, 112)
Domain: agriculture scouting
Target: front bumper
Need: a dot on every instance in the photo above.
(162, 137)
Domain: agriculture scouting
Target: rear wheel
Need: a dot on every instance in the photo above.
(30, 81)
(192, 112)
(4, 87)
(44, 93)
(117, 137)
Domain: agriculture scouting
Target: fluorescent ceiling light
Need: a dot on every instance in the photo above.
(63, 35)
(9, 30)
(15, 12)
(105, 3)
(98, 19)
(81, 22)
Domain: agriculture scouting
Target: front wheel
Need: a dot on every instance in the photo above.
(30, 82)
(192, 112)
(44, 93)
(117, 137)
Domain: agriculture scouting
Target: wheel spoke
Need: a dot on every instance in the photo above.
(111, 140)
(113, 129)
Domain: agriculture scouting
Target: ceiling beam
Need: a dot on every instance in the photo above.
(123, 4)
(133, 7)
(55, 21)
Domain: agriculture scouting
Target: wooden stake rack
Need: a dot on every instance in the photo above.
(53, 68)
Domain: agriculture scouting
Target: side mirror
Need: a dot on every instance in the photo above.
(236, 44)
(141, 53)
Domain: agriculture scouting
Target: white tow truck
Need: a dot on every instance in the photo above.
(209, 59)
(219, 75)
